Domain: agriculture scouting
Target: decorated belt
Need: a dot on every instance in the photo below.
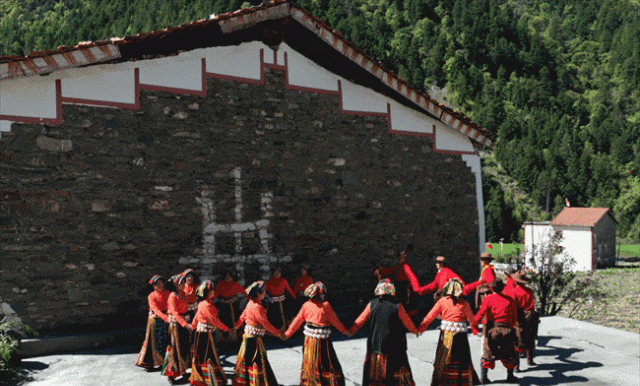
(276, 299)
(193, 306)
(228, 300)
(317, 332)
(152, 315)
(254, 330)
(453, 326)
(203, 327)
(172, 319)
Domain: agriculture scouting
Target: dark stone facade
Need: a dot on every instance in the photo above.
(92, 208)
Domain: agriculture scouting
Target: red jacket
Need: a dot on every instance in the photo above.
(487, 276)
(450, 312)
(442, 277)
(158, 303)
(229, 289)
(255, 315)
(302, 282)
(277, 285)
(317, 312)
(178, 306)
(498, 308)
(523, 297)
(208, 314)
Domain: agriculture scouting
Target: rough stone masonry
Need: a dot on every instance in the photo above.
(249, 177)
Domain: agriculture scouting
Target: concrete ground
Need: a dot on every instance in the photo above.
(569, 352)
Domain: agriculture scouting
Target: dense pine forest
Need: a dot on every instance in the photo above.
(555, 82)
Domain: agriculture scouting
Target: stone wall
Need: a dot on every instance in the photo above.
(249, 177)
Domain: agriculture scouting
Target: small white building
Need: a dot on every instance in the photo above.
(588, 235)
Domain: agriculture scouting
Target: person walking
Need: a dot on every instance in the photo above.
(178, 355)
(320, 365)
(205, 365)
(157, 333)
(252, 366)
(453, 365)
(386, 361)
(500, 337)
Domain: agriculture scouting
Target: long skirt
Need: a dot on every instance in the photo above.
(205, 366)
(453, 364)
(500, 342)
(178, 355)
(252, 366)
(228, 313)
(278, 314)
(320, 365)
(155, 344)
(387, 370)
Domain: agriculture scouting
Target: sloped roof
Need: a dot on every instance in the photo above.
(272, 23)
(586, 217)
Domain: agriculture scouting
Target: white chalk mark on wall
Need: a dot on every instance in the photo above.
(213, 229)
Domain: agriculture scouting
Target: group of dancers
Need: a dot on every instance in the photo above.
(182, 306)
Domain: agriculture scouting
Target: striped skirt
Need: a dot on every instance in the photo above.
(387, 370)
(320, 365)
(178, 355)
(205, 366)
(453, 365)
(155, 344)
(252, 366)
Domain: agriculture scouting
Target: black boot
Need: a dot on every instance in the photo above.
(510, 377)
(485, 380)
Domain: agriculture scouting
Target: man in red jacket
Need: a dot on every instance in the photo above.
(487, 276)
(442, 277)
(528, 318)
(499, 312)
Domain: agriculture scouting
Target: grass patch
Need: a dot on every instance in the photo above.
(630, 250)
(621, 306)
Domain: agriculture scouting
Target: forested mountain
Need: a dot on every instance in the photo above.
(556, 82)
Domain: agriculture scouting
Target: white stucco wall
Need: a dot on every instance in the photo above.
(32, 97)
(577, 244)
(242, 61)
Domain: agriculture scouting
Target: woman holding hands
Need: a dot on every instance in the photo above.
(453, 358)
(320, 365)
(252, 366)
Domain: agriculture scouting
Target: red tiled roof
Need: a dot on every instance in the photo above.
(216, 31)
(586, 217)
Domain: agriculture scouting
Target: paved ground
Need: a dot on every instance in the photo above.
(569, 352)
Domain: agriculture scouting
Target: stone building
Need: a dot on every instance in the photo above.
(587, 235)
(254, 139)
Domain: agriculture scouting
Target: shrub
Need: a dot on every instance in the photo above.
(556, 286)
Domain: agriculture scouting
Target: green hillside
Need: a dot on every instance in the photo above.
(557, 83)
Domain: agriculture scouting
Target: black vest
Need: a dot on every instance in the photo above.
(386, 331)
